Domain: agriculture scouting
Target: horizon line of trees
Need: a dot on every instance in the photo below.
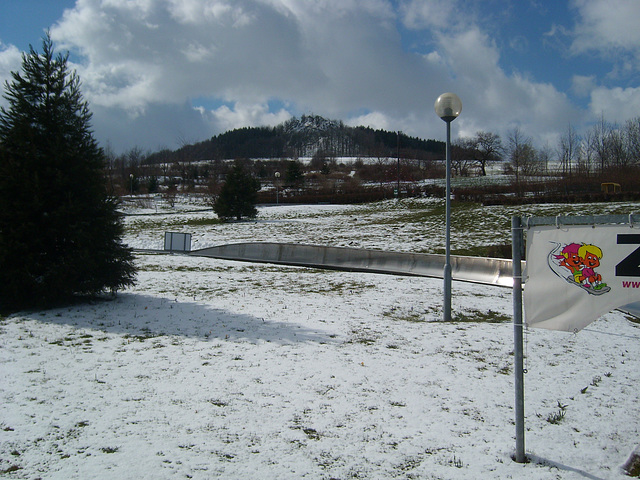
(606, 148)
(301, 137)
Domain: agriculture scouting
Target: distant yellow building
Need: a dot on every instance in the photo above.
(610, 187)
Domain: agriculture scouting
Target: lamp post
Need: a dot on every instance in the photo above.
(398, 156)
(448, 106)
(131, 179)
(277, 174)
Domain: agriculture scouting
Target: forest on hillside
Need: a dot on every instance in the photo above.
(314, 159)
(302, 137)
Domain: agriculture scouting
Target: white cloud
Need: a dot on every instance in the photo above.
(375, 120)
(10, 61)
(10, 58)
(610, 28)
(196, 52)
(420, 14)
(143, 62)
(495, 101)
(198, 12)
(583, 84)
(615, 104)
(604, 24)
(166, 62)
(473, 54)
(328, 57)
(224, 118)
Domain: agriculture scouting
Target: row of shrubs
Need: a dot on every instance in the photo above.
(488, 195)
(352, 195)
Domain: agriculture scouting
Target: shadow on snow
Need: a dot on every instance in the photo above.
(147, 316)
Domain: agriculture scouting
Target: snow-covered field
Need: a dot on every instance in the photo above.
(220, 369)
(409, 225)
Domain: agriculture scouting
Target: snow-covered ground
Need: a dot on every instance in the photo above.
(220, 369)
(408, 225)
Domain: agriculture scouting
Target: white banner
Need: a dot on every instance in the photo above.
(575, 274)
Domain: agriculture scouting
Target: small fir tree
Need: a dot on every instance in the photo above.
(152, 184)
(238, 196)
(294, 175)
(60, 233)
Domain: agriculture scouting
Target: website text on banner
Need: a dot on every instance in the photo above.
(575, 274)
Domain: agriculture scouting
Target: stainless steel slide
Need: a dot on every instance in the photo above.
(491, 271)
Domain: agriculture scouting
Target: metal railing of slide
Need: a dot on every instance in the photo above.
(487, 271)
(492, 271)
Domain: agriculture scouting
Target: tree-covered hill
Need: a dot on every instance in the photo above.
(302, 137)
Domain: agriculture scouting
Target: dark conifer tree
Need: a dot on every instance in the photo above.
(60, 233)
(294, 176)
(238, 196)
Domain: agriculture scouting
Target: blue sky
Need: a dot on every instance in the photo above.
(158, 73)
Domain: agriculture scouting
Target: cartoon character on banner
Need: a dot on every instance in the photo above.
(577, 264)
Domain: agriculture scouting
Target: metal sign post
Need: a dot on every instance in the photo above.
(517, 245)
(583, 241)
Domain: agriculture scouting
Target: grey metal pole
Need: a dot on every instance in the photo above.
(447, 262)
(517, 245)
(398, 156)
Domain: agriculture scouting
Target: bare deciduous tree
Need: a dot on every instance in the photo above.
(487, 147)
(522, 157)
(568, 150)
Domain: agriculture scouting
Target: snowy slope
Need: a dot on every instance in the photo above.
(217, 369)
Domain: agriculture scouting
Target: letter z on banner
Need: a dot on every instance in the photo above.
(575, 274)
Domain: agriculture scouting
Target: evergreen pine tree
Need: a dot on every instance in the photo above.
(238, 196)
(294, 175)
(60, 233)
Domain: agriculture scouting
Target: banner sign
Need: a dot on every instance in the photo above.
(575, 274)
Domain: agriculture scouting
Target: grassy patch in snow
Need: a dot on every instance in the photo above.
(478, 316)
(403, 212)
(202, 221)
(179, 268)
(633, 319)
(409, 314)
(555, 418)
(109, 449)
(467, 316)
(335, 287)
(169, 222)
